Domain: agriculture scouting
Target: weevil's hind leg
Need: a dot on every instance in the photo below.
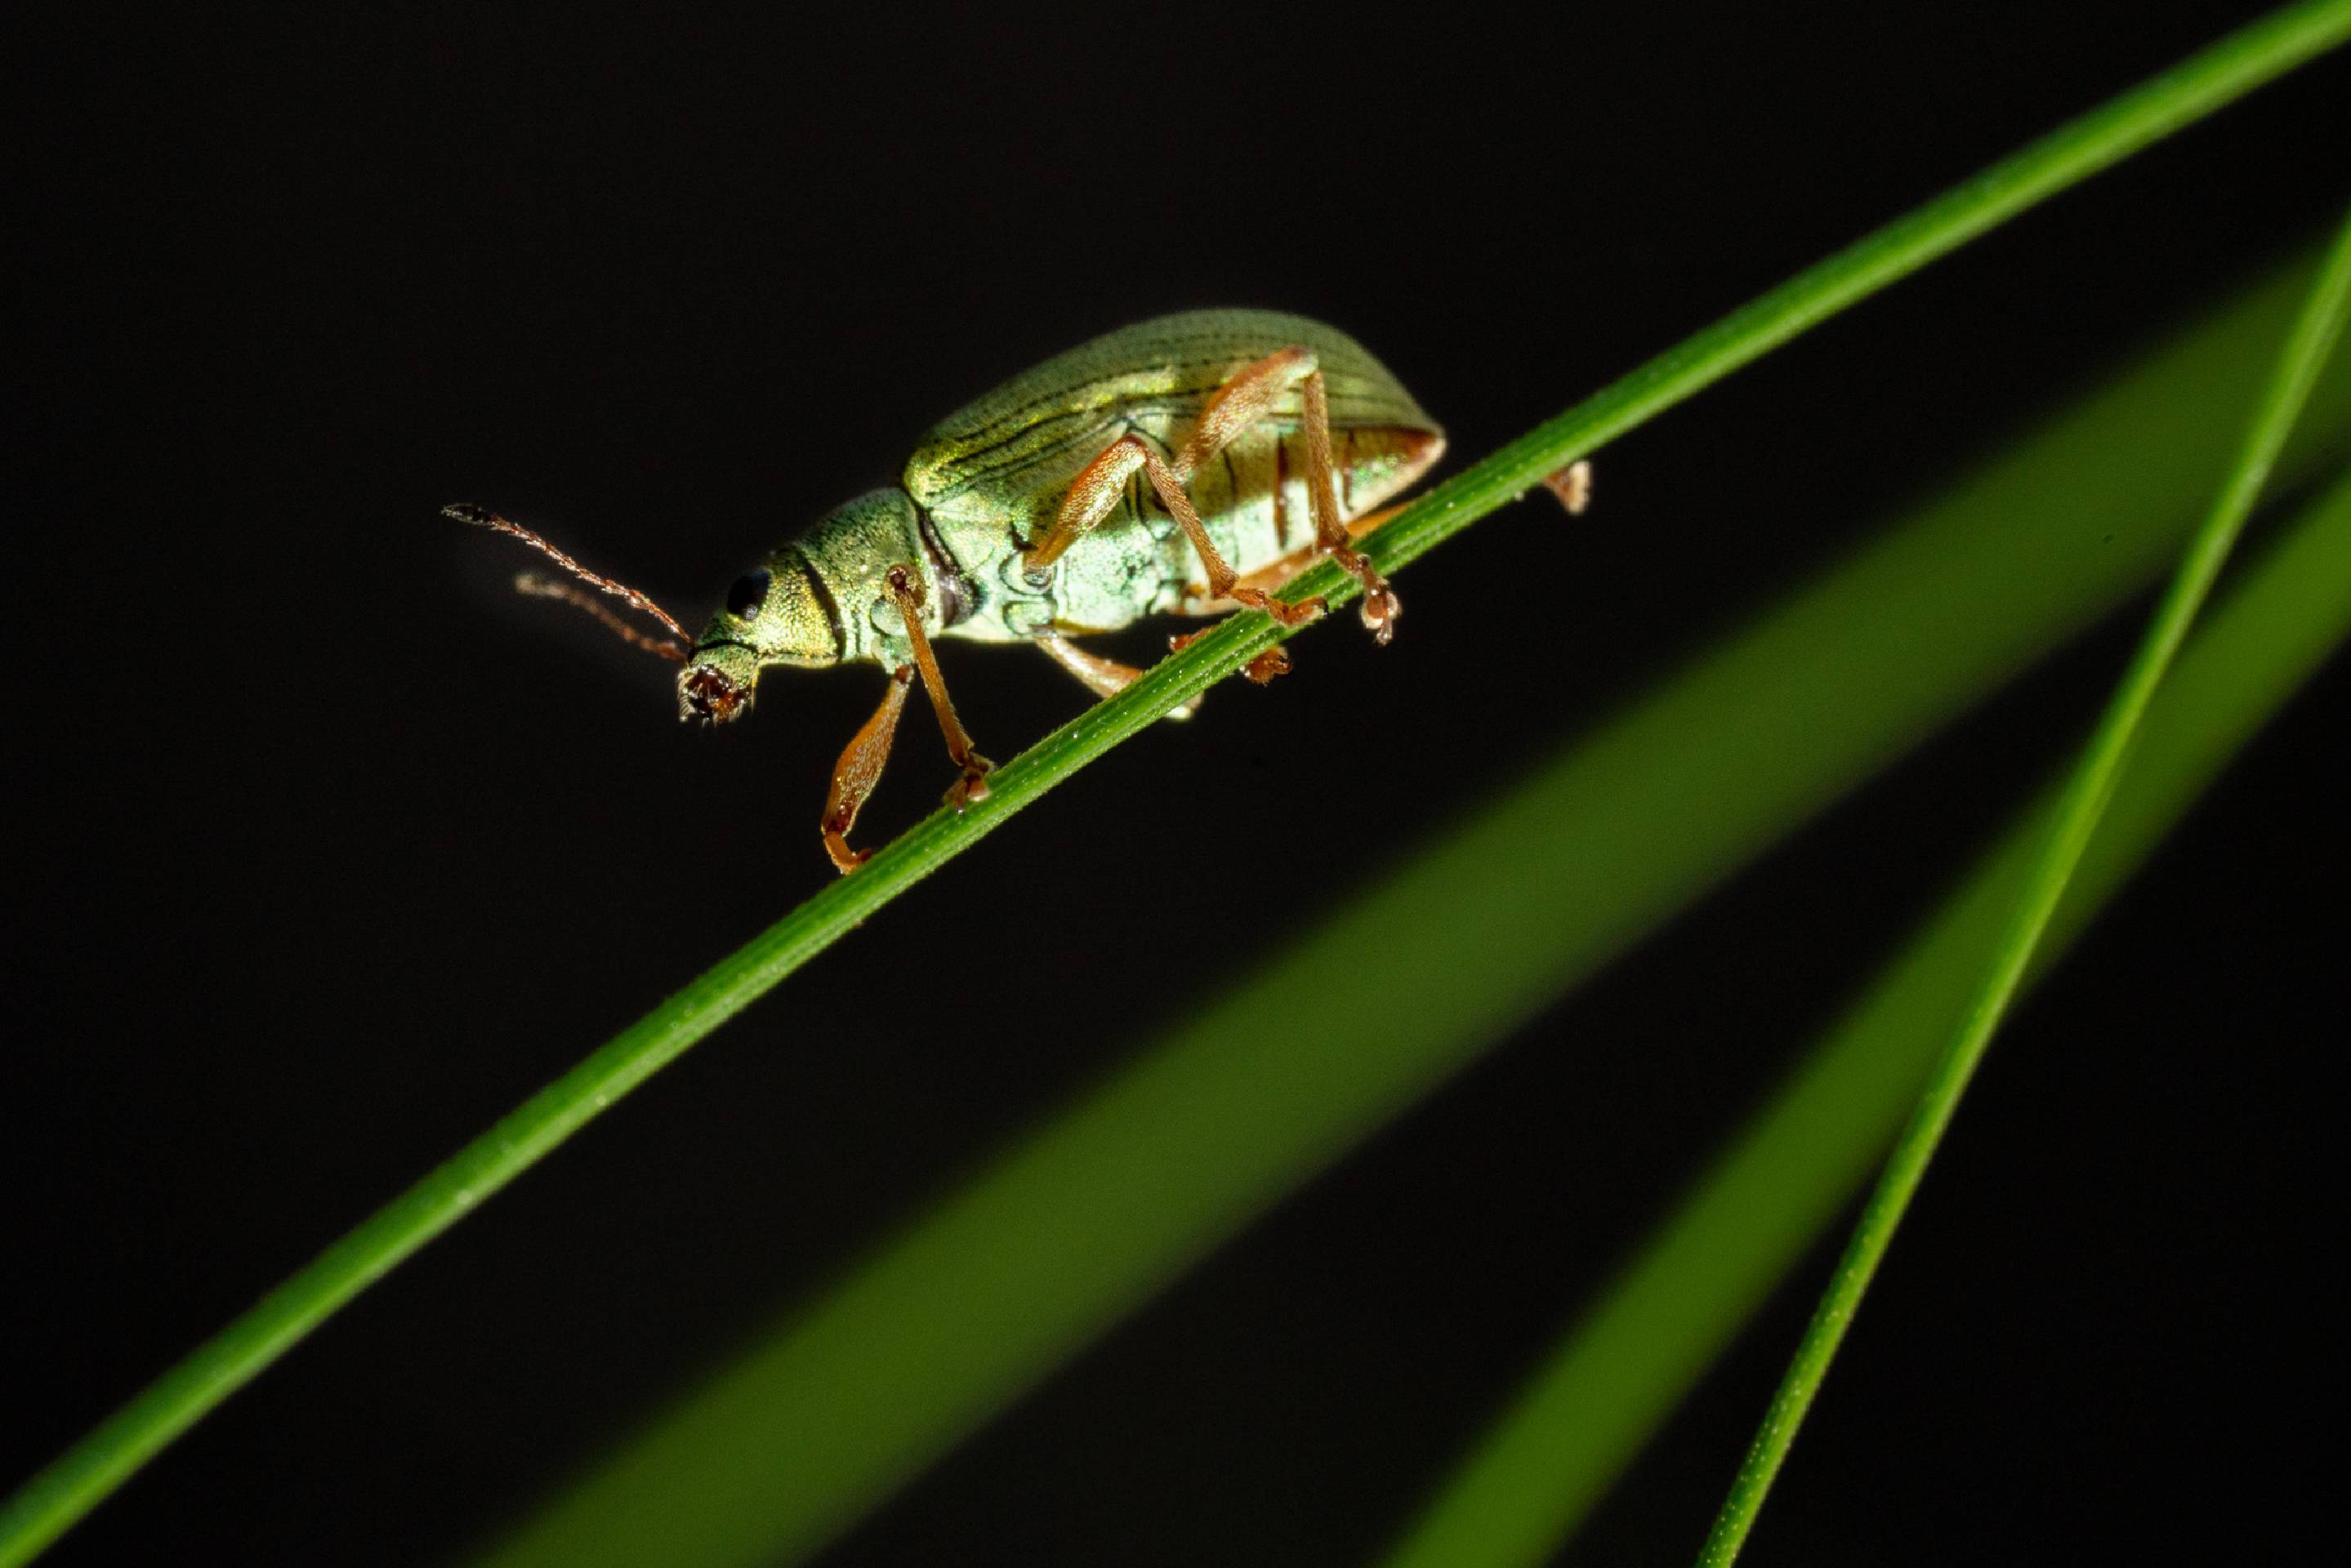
(1246, 399)
(1289, 566)
(1103, 677)
(1095, 493)
(859, 770)
(1380, 607)
(908, 594)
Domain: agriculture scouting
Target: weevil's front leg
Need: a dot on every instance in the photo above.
(1103, 677)
(859, 770)
(908, 594)
(1096, 491)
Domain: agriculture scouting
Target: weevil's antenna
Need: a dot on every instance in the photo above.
(529, 582)
(540, 588)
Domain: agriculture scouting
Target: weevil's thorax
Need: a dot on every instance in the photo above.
(822, 600)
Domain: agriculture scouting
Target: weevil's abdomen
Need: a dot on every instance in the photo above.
(991, 476)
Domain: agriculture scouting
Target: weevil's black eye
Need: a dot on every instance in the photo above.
(749, 592)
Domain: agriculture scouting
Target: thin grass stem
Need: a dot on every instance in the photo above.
(2076, 818)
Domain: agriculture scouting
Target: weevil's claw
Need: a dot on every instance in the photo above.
(973, 786)
(1269, 666)
(1381, 608)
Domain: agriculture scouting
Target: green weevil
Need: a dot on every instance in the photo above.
(1187, 465)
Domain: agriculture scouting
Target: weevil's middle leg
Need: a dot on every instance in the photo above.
(1096, 491)
(972, 786)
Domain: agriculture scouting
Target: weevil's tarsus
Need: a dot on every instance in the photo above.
(1263, 670)
(906, 594)
(539, 588)
(859, 770)
(1103, 677)
(1268, 667)
(483, 517)
(1573, 486)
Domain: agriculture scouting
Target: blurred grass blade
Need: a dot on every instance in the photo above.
(1037, 1255)
(1616, 1375)
(2076, 816)
(72, 1485)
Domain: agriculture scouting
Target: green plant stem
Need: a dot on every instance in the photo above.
(67, 1488)
(1620, 1369)
(2078, 811)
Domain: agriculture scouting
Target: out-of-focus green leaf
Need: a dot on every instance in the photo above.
(2073, 821)
(1614, 1377)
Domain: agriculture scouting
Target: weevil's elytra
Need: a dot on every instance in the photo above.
(1163, 469)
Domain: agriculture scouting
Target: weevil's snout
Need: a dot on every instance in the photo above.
(710, 694)
(717, 683)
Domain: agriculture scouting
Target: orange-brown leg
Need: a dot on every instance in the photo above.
(1269, 664)
(1246, 399)
(906, 593)
(1380, 607)
(1572, 485)
(1289, 566)
(1097, 491)
(1103, 677)
(859, 770)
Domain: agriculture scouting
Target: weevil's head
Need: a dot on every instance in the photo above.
(777, 613)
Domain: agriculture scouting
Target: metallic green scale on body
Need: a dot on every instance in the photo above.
(985, 482)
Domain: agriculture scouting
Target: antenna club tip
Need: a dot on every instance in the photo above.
(466, 512)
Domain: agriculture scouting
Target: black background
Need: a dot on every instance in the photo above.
(326, 851)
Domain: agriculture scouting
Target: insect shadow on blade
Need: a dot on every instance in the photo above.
(1188, 465)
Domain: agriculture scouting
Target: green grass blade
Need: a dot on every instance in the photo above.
(1615, 1375)
(76, 1482)
(2091, 785)
(1040, 1253)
